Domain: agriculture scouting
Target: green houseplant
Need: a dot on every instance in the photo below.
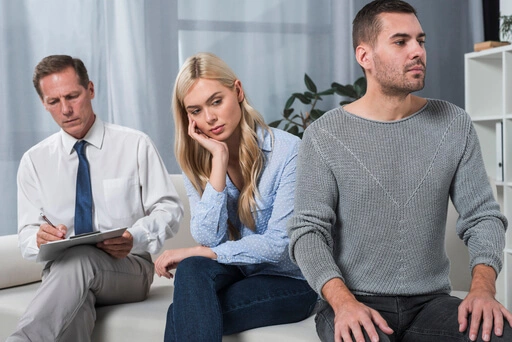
(506, 27)
(296, 123)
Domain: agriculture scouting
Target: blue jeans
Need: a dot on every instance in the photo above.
(213, 299)
(429, 318)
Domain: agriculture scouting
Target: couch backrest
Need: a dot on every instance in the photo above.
(183, 237)
(458, 254)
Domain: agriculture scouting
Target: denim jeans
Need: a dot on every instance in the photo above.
(213, 299)
(429, 318)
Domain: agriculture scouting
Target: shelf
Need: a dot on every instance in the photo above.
(486, 131)
(494, 53)
(490, 118)
(507, 79)
(507, 151)
(488, 85)
(484, 86)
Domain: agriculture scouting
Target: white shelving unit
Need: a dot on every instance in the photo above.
(488, 92)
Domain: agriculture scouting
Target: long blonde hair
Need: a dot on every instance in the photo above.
(195, 160)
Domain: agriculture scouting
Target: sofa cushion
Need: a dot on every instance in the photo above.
(145, 321)
(13, 302)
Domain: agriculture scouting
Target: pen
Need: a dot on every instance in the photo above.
(47, 220)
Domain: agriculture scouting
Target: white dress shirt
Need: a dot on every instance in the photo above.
(130, 187)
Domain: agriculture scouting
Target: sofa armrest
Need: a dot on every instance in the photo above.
(14, 269)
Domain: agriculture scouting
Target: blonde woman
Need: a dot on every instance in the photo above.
(240, 179)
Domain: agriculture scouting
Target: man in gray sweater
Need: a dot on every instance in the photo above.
(373, 183)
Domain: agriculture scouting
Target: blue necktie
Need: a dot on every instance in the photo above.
(83, 202)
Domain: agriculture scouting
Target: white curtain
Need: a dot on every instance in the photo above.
(133, 50)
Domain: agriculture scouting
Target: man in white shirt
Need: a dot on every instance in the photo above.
(130, 188)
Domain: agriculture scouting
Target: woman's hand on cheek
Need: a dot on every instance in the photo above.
(216, 148)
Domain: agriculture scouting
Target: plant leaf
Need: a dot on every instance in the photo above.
(344, 90)
(342, 103)
(326, 92)
(309, 95)
(360, 86)
(289, 102)
(309, 83)
(275, 124)
(287, 112)
(302, 98)
(316, 113)
(294, 130)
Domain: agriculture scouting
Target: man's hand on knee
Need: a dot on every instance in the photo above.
(351, 317)
(484, 309)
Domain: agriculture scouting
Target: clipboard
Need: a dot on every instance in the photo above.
(52, 250)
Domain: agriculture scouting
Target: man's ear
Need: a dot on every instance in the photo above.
(363, 56)
(90, 89)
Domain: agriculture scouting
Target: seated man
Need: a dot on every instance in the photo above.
(90, 176)
(373, 183)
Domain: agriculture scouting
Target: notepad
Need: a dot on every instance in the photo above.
(51, 250)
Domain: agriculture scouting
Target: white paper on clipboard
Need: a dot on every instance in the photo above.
(52, 250)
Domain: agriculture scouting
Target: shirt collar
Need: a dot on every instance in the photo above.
(94, 136)
(266, 143)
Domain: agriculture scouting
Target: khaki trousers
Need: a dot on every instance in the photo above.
(83, 277)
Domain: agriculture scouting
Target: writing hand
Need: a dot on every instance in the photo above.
(118, 247)
(47, 233)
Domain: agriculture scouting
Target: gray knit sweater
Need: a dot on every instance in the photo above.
(372, 198)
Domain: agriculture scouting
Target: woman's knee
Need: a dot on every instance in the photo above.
(193, 269)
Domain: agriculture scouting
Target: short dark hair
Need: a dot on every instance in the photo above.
(57, 63)
(366, 25)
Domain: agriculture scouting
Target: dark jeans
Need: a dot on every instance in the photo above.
(213, 299)
(431, 318)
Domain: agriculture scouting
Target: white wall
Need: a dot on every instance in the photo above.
(506, 7)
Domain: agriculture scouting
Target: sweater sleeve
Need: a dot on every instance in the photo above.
(311, 242)
(481, 224)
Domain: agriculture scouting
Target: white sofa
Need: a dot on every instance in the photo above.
(145, 321)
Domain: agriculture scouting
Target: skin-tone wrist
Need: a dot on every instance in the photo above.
(336, 293)
(205, 252)
(484, 278)
(219, 170)
(351, 317)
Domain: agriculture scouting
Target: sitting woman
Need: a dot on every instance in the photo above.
(240, 180)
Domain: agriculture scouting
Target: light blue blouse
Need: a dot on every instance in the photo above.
(265, 250)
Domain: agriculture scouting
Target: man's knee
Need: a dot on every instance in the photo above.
(78, 261)
(324, 320)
